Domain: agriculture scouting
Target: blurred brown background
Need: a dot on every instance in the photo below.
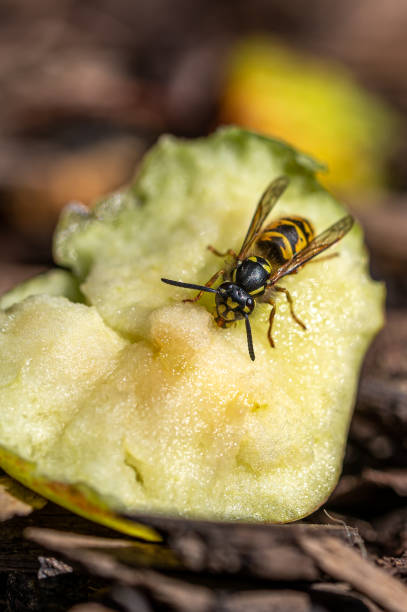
(87, 86)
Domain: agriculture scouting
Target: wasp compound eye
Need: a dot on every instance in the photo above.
(248, 306)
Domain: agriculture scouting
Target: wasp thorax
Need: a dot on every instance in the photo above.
(233, 302)
(252, 274)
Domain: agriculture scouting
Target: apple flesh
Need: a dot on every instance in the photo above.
(142, 398)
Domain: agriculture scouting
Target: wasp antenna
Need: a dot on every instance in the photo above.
(188, 285)
(249, 337)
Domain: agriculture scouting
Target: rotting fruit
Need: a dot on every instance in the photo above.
(114, 391)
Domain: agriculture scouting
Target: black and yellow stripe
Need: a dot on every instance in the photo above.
(284, 238)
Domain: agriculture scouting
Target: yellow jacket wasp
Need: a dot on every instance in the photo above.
(267, 254)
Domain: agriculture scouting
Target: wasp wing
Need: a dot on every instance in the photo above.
(267, 201)
(321, 242)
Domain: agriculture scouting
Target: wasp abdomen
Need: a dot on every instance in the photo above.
(284, 238)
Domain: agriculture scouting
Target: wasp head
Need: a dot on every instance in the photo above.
(232, 302)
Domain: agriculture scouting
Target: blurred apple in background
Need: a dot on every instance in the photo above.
(314, 104)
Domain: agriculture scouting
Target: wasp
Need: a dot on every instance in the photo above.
(268, 253)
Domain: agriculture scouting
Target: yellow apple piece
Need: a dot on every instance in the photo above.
(315, 104)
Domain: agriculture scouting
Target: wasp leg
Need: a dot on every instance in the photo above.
(230, 252)
(208, 284)
(290, 301)
(271, 319)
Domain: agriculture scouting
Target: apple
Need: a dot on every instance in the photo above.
(114, 391)
(317, 105)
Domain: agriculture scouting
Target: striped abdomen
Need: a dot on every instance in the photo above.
(284, 238)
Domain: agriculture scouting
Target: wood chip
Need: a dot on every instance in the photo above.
(396, 479)
(342, 563)
(391, 530)
(50, 567)
(133, 552)
(16, 500)
(179, 595)
(339, 595)
(251, 551)
(264, 551)
(267, 601)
